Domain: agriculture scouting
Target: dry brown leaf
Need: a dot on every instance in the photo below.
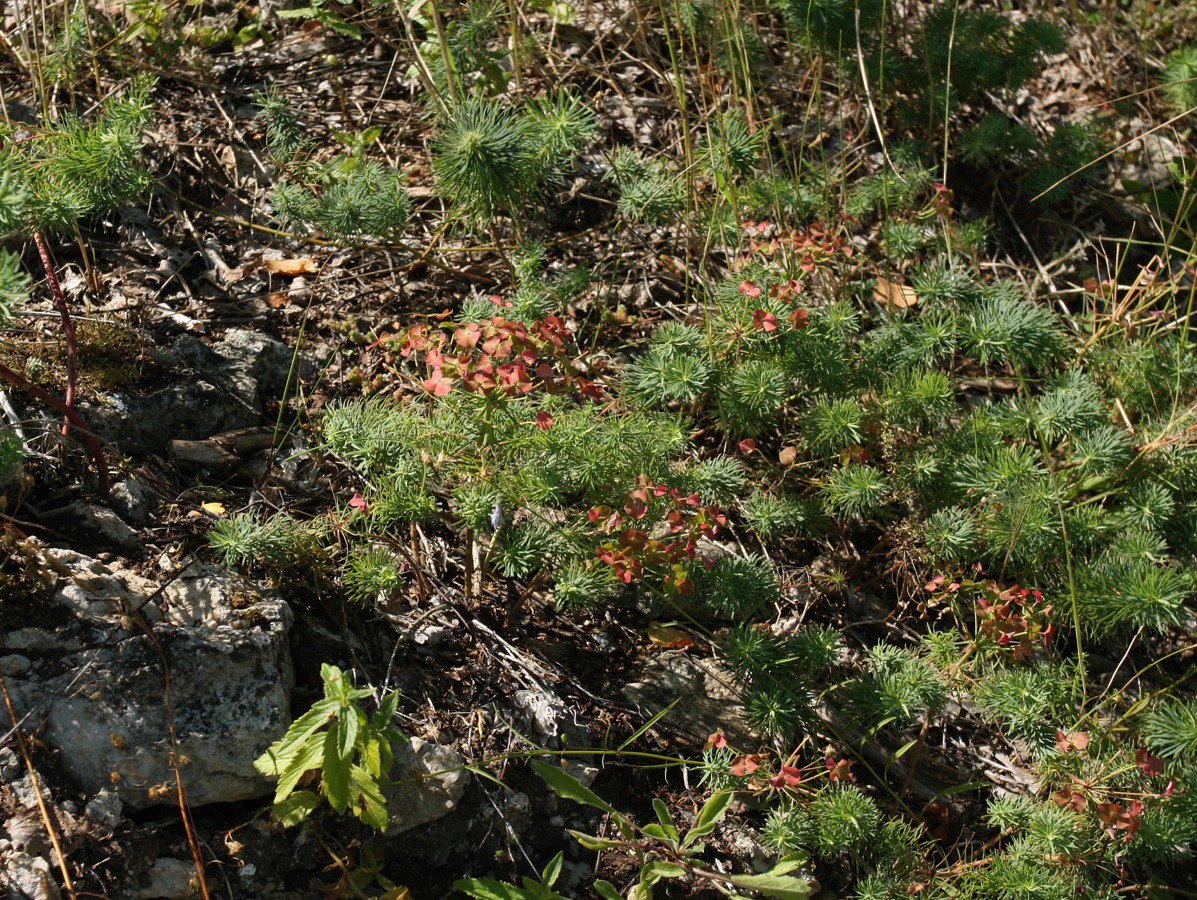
(298, 266)
(787, 456)
(670, 637)
(898, 296)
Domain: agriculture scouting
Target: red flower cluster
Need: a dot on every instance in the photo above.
(635, 550)
(1118, 818)
(813, 246)
(806, 250)
(1014, 617)
(1017, 619)
(496, 354)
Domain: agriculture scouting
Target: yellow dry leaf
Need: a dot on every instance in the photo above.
(670, 637)
(298, 266)
(213, 507)
(892, 294)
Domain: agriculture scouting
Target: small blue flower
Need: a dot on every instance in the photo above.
(496, 518)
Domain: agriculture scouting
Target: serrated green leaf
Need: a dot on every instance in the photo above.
(279, 754)
(336, 770)
(371, 757)
(386, 755)
(567, 787)
(370, 805)
(709, 816)
(340, 26)
(386, 711)
(300, 764)
(787, 887)
(336, 685)
(349, 725)
(295, 808)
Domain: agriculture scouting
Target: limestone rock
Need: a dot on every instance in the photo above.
(27, 877)
(170, 879)
(87, 521)
(415, 800)
(105, 810)
(104, 701)
(212, 388)
(134, 499)
(545, 718)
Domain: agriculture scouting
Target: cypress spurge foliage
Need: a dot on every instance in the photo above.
(491, 158)
(73, 170)
(485, 159)
(346, 198)
(1024, 513)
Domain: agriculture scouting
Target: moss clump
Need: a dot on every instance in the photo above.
(110, 357)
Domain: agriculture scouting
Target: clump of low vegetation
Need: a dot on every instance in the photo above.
(930, 510)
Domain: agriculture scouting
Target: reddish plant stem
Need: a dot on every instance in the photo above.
(19, 381)
(68, 326)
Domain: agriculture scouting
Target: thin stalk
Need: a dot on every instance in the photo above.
(197, 854)
(17, 380)
(425, 74)
(68, 327)
(446, 56)
(516, 62)
(1069, 568)
(91, 43)
(468, 574)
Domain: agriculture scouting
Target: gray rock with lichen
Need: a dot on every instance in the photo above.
(104, 696)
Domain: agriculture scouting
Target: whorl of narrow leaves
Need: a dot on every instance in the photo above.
(485, 161)
(753, 396)
(72, 170)
(731, 147)
(649, 190)
(831, 24)
(1171, 730)
(243, 539)
(347, 197)
(286, 136)
(489, 158)
(373, 575)
(561, 124)
(1180, 79)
